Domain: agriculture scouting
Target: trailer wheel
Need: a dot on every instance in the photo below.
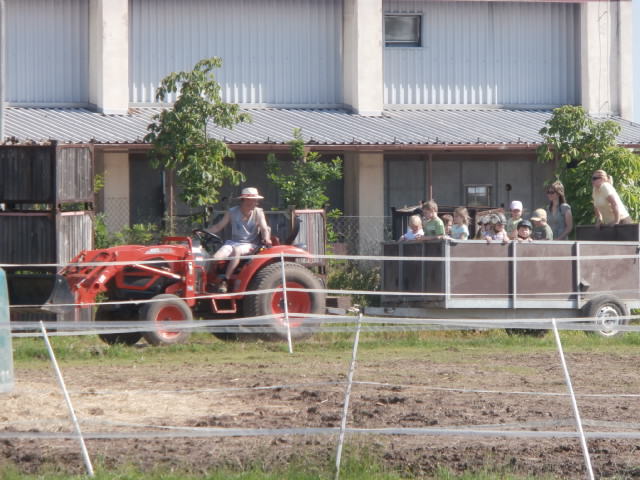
(272, 303)
(106, 313)
(607, 311)
(166, 308)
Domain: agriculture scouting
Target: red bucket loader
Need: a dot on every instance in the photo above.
(177, 281)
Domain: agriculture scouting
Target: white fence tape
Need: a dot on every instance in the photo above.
(343, 257)
(205, 432)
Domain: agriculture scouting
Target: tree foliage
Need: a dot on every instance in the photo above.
(179, 134)
(582, 145)
(306, 186)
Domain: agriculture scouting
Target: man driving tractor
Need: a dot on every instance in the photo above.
(248, 224)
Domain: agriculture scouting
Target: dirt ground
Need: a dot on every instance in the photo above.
(412, 392)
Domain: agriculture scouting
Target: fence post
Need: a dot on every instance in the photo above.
(574, 404)
(347, 396)
(72, 413)
(6, 352)
(286, 304)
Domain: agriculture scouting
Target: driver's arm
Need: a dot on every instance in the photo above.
(265, 231)
(220, 225)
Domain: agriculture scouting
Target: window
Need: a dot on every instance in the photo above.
(402, 30)
(477, 195)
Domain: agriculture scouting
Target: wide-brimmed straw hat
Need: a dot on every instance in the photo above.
(251, 193)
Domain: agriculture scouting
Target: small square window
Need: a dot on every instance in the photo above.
(478, 195)
(402, 30)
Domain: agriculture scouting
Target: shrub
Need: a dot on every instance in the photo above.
(350, 276)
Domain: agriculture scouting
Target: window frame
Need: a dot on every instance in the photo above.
(403, 43)
(489, 189)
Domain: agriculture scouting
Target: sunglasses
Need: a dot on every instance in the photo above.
(596, 178)
(551, 192)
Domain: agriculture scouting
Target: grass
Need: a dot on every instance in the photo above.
(361, 467)
(205, 348)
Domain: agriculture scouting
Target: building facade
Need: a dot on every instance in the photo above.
(422, 99)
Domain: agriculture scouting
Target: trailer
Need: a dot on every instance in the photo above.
(595, 276)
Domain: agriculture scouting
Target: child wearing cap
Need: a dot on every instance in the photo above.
(541, 229)
(516, 218)
(523, 234)
(496, 232)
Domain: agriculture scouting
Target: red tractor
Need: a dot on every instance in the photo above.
(179, 282)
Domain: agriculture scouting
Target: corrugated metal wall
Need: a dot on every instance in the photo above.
(44, 174)
(26, 174)
(74, 174)
(44, 237)
(486, 53)
(75, 233)
(47, 51)
(276, 52)
(27, 238)
(511, 176)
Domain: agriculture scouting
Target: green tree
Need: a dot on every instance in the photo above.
(179, 134)
(306, 186)
(581, 145)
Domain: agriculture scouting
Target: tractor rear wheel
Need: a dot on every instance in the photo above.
(106, 313)
(166, 308)
(297, 276)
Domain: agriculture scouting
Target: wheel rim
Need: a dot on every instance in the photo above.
(168, 313)
(297, 302)
(608, 319)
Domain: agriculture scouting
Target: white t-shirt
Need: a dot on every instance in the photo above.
(600, 201)
(410, 235)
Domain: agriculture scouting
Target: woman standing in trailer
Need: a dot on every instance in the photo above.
(559, 216)
(607, 206)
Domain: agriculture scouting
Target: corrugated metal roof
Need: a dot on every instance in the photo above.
(320, 127)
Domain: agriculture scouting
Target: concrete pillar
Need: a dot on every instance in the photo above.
(625, 19)
(606, 73)
(364, 198)
(109, 55)
(363, 52)
(115, 194)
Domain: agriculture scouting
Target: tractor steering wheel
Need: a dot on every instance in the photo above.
(210, 241)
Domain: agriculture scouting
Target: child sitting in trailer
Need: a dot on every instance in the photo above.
(516, 218)
(523, 232)
(414, 230)
(433, 227)
(541, 229)
(460, 227)
(497, 232)
(483, 226)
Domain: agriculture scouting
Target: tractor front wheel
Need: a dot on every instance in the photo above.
(166, 308)
(270, 278)
(106, 313)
